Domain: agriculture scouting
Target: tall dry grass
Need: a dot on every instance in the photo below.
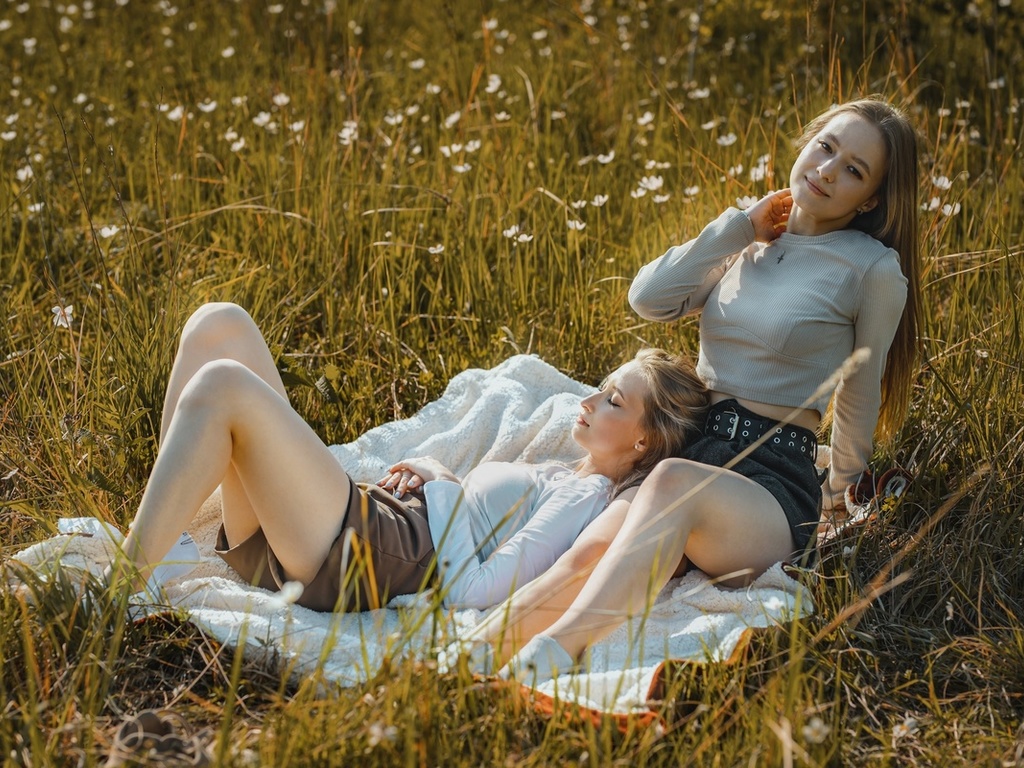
(146, 171)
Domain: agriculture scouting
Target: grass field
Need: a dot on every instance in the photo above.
(398, 191)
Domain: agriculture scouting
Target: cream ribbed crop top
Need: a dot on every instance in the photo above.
(779, 318)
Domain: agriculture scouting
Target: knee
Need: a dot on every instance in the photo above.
(219, 386)
(217, 323)
(675, 476)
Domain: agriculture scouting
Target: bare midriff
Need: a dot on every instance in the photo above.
(808, 418)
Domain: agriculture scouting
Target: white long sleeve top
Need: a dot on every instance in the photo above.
(505, 525)
(778, 319)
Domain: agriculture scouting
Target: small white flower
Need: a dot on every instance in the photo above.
(281, 99)
(942, 182)
(493, 84)
(36, 207)
(816, 731)
(297, 126)
(452, 119)
(462, 167)
(539, 35)
(237, 146)
(62, 316)
(907, 728)
(230, 134)
(417, 64)
(261, 120)
(348, 133)
(490, 24)
(25, 173)
(557, 114)
(436, 249)
(207, 106)
(432, 89)
(9, 135)
(652, 183)
(176, 114)
(503, 117)
(691, 191)
(599, 200)
(645, 119)
(932, 205)
(995, 85)
(511, 232)
(605, 159)
(736, 170)
(951, 210)
(963, 104)
(659, 199)
(636, 194)
(109, 231)
(524, 238)
(577, 204)
(576, 225)
(699, 93)
(473, 145)
(745, 202)
(275, 9)
(727, 140)
(378, 733)
(228, 52)
(238, 101)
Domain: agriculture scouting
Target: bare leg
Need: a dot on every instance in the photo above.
(721, 521)
(222, 331)
(228, 418)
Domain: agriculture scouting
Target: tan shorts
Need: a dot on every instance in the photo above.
(384, 549)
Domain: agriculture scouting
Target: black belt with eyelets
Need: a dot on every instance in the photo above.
(728, 420)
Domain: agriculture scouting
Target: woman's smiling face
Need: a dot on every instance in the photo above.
(837, 175)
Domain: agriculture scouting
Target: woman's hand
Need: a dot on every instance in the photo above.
(410, 474)
(770, 214)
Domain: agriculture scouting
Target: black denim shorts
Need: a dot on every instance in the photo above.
(790, 476)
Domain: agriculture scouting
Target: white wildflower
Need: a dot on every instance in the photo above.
(63, 316)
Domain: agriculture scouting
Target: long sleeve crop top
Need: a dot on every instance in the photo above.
(778, 319)
(505, 525)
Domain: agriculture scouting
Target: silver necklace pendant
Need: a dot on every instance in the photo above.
(780, 258)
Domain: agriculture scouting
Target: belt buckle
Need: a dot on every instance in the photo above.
(735, 423)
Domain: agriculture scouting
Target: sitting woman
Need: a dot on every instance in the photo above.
(788, 291)
(291, 513)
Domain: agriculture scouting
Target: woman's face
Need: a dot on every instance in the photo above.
(837, 175)
(608, 426)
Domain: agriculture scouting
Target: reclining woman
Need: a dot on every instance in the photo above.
(787, 291)
(291, 513)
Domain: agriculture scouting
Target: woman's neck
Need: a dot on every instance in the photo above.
(613, 470)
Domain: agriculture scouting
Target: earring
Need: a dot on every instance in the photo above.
(636, 446)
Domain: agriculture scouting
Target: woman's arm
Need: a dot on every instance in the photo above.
(858, 396)
(534, 607)
(547, 535)
(679, 281)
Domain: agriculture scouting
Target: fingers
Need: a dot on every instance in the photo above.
(399, 480)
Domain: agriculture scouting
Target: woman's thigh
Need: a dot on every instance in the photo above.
(731, 524)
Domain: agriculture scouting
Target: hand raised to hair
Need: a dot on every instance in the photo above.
(770, 214)
(410, 474)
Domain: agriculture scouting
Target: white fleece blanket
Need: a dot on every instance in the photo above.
(522, 409)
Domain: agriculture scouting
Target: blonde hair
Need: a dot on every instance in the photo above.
(675, 407)
(893, 222)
